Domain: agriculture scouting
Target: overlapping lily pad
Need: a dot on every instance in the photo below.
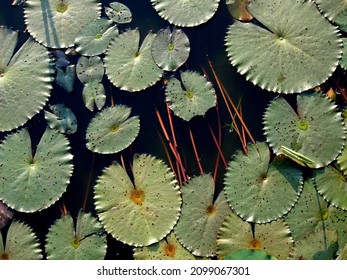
(20, 243)
(192, 96)
(238, 9)
(82, 240)
(61, 118)
(306, 132)
(56, 23)
(119, 13)
(249, 254)
(90, 69)
(342, 158)
(129, 66)
(26, 78)
(199, 209)
(259, 190)
(111, 130)
(33, 178)
(281, 54)
(336, 11)
(186, 13)
(141, 212)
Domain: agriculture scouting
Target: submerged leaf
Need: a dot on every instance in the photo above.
(119, 13)
(61, 118)
(66, 79)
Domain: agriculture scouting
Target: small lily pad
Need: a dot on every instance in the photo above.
(249, 254)
(111, 130)
(192, 96)
(90, 69)
(94, 93)
(139, 212)
(259, 190)
(170, 50)
(206, 215)
(20, 243)
(61, 118)
(81, 241)
(119, 13)
(66, 79)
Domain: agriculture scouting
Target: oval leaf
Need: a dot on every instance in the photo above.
(119, 13)
(90, 69)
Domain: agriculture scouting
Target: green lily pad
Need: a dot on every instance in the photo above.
(249, 254)
(186, 13)
(6, 215)
(167, 249)
(90, 69)
(170, 50)
(33, 178)
(94, 93)
(318, 245)
(111, 130)
(25, 79)
(306, 132)
(129, 67)
(238, 9)
(272, 238)
(139, 213)
(343, 254)
(66, 79)
(201, 216)
(336, 221)
(56, 23)
(95, 37)
(81, 241)
(336, 11)
(342, 158)
(119, 13)
(343, 61)
(192, 96)
(61, 118)
(259, 190)
(281, 55)
(20, 243)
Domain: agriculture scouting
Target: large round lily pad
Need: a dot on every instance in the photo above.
(33, 178)
(306, 132)
(259, 190)
(141, 212)
(281, 54)
(25, 79)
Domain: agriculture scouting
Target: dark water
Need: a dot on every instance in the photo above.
(206, 40)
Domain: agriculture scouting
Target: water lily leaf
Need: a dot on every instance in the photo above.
(306, 132)
(342, 158)
(186, 13)
(170, 50)
(343, 61)
(139, 213)
(66, 79)
(6, 215)
(282, 56)
(249, 254)
(33, 178)
(56, 23)
(343, 254)
(238, 9)
(336, 11)
(167, 249)
(272, 238)
(119, 13)
(94, 93)
(20, 243)
(308, 212)
(201, 216)
(61, 118)
(67, 241)
(111, 130)
(127, 66)
(95, 37)
(90, 69)
(192, 96)
(318, 245)
(61, 60)
(25, 79)
(260, 191)
(336, 221)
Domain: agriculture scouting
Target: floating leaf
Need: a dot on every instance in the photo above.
(167, 249)
(25, 79)
(201, 216)
(272, 238)
(95, 37)
(337, 221)
(318, 245)
(94, 93)
(142, 213)
(283, 56)
(90, 69)
(56, 23)
(129, 67)
(6, 214)
(238, 9)
(111, 130)
(33, 178)
(119, 13)
(343, 61)
(342, 158)
(83, 242)
(61, 118)
(260, 191)
(307, 132)
(249, 254)
(170, 50)
(66, 79)
(336, 11)
(20, 243)
(192, 96)
(343, 254)
(186, 13)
